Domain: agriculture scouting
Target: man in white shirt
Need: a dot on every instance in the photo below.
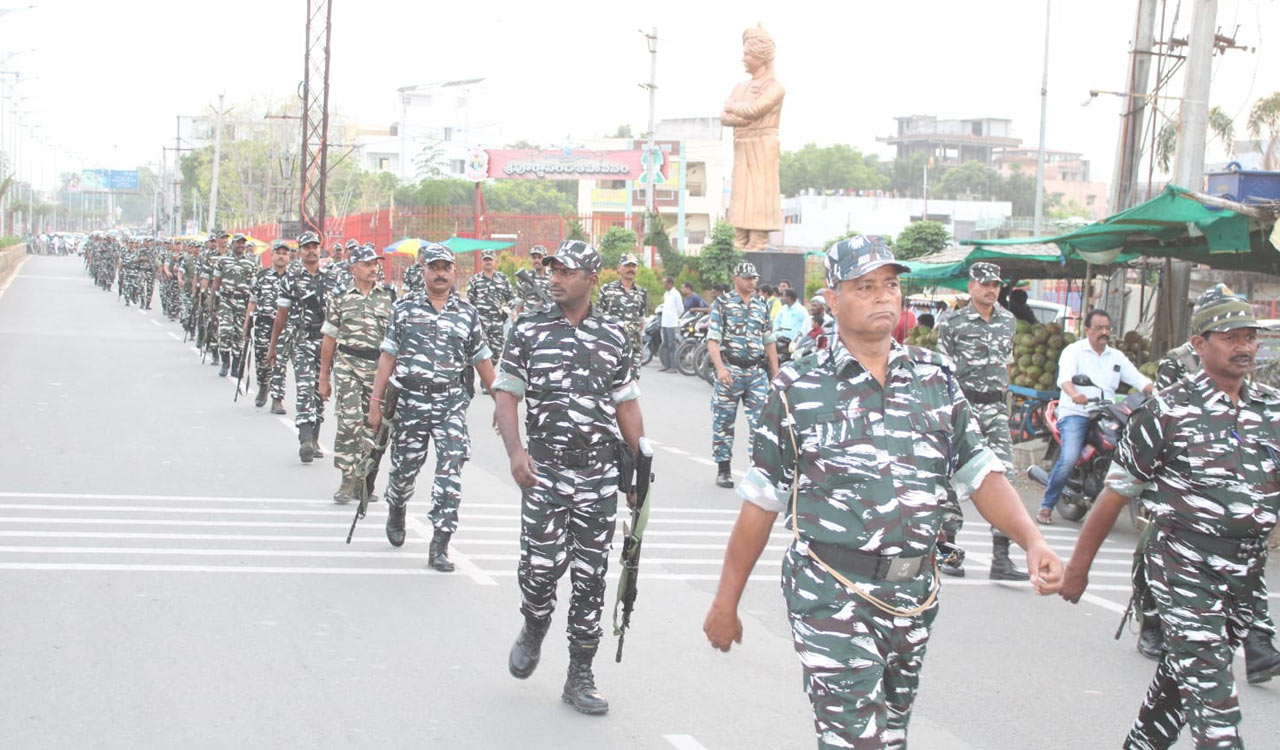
(672, 307)
(791, 318)
(1107, 368)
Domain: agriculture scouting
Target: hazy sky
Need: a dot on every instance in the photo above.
(105, 79)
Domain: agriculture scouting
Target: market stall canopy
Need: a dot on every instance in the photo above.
(467, 244)
(404, 247)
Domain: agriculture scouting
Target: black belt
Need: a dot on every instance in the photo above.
(363, 352)
(1238, 548)
(602, 453)
(741, 361)
(979, 397)
(891, 568)
(419, 384)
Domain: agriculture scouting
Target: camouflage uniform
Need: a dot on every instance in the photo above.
(531, 289)
(629, 307)
(358, 322)
(1176, 364)
(265, 292)
(305, 294)
(237, 276)
(432, 349)
(337, 275)
(874, 468)
(1214, 472)
(209, 259)
(491, 297)
(572, 379)
(413, 281)
(148, 259)
(743, 329)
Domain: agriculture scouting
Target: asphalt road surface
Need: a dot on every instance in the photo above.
(172, 576)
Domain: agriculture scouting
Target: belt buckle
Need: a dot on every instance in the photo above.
(902, 569)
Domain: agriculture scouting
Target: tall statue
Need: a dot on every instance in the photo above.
(753, 111)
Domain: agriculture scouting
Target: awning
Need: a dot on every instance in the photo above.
(467, 244)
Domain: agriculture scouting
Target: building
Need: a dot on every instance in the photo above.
(698, 162)
(1066, 178)
(951, 142)
(810, 221)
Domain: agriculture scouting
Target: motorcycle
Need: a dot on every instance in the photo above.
(1107, 420)
(651, 338)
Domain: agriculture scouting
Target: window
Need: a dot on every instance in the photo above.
(448, 134)
(384, 163)
(457, 166)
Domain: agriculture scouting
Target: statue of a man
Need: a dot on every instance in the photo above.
(753, 111)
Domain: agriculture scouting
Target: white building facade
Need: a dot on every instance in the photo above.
(810, 221)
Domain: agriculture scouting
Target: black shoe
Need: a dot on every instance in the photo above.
(1261, 660)
(723, 477)
(527, 650)
(580, 687)
(277, 406)
(1002, 568)
(955, 571)
(226, 364)
(1151, 638)
(305, 434)
(261, 399)
(349, 489)
(316, 450)
(438, 552)
(395, 524)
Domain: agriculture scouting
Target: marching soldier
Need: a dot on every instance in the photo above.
(209, 260)
(337, 272)
(258, 319)
(1208, 450)
(414, 280)
(232, 282)
(531, 285)
(978, 339)
(573, 368)
(491, 293)
(431, 340)
(857, 445)
(740, 342)
(354, 327)
(302, 305)
(628, 303)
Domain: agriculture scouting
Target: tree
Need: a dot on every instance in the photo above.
(837, 167)
(921, 238)
(527, 197)
(623, 131)
(576, 232)
(1221, 126)
(615, 242)
(1265, 115)
(672, 260)
(719, 256)
(972, 180)
(447, 192)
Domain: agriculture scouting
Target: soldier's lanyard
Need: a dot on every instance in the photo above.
(857, 589)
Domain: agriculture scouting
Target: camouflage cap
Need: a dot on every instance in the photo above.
(217, 233)
(628, 259)
(1219, 309)
(237, 237)
(488, 254)
(362, 253)
(430, 252)
(537, 250)
(984, 273)
(280, 244)
(575, 254)
(352, 244)
(308, 238)
(858, 256)
(746, 270)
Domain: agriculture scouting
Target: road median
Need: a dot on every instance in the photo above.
(11, 258)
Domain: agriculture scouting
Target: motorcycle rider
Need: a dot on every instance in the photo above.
(1107, 368)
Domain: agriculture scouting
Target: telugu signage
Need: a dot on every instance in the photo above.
(564, 164)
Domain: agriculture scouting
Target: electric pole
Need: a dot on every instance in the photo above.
(1044, 104)
(1134, 108)
(217, 157)
(652, 39)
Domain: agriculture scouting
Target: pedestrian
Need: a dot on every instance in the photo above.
(354, 327)
(628, 304)
(531, 284)
(978, 339)
(1019, 307)
(431, 341)
(258, 317)
(672, 309)
(233, 278)
(572, 367)
(301, 305)
(857, 446)
(791, 317)
(906, 321)
(1208, 450)
(1106, 368)
(693, 302)
(740, 342)
(1260, 655)
(491, 293)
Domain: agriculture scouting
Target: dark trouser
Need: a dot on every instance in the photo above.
(667, 354)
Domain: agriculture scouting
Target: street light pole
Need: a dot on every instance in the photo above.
(217, 157)
(1044, 106)
(652, 40)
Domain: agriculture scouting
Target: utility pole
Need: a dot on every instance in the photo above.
(1044, 104)
(217, 157)
(1134, 108)
(177, 174)
(652, 40)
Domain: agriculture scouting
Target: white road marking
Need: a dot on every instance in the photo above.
(701, 460)
(174, 336)
(288, 423)
(683, 742)
(676, 451)
(191, 537)
(463, 563)
(144, 568)
(156, 323)
(338, 551)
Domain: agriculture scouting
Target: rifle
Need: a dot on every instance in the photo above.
(527, 278)
(381, 439)
(635, 485)
(245, 353)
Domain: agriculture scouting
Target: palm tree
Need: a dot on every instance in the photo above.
(1222, 127)
(1266, 115)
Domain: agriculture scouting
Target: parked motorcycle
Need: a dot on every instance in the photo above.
(1107, 420)
(651, 338)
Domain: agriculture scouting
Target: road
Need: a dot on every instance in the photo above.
(172, 576)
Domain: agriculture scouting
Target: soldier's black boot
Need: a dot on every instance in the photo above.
(527, 649)
(277, 406)
(952, 567)
(261, 399)
(1002, 568)
(580, 687)
(395, 523)
(349, 489)
(316, 450)
(305, 435)
(226, 364)
(723, 477)
(1151, 638)
(438, 552)
(1261, 660)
